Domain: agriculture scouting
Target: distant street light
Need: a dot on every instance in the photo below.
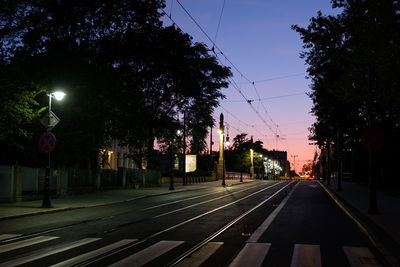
(221, 161)
(227, 142)
(58, 95)
(252, 163)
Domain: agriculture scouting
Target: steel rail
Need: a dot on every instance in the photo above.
(121, 249)
(223, 229)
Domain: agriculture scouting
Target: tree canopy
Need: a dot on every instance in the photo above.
(126, 76)
(353, 60)
(238, 157)
(353, 63)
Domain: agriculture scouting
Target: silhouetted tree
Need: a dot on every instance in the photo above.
(353, 60)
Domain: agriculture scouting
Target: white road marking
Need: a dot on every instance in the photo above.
(306, 256)
(200, 203)
(25, 243)
(95, 253)
(7, 236)
(360, 256)
(191, 198)
(253, 254)
(264, 226)
(148, 254)
(200, 256)
(42, 254)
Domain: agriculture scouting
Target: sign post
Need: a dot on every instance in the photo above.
(372, 139)
(47, 142)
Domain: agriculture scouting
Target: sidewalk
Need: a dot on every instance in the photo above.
(99, 198)
(385, 226)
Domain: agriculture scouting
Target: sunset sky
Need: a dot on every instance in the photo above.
(255, 36)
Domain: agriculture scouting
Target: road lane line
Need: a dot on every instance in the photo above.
(148, 254)
(191, 198)
(42, 254)
(373, 238)
(267, 222)
(306, 255)
(94, 253)
(360, 257)
(221, 230)
(210, 200)
(193, 219)
(200, 256)
(25, 243)
(253, 254)
(7, 236)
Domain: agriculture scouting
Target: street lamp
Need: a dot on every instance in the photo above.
(252, 164)
(221, 162)
(227, 142)
(51, 122)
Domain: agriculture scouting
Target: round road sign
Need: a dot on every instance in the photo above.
(372, 139)
(47, 142)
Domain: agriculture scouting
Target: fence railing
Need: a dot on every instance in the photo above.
(236, 176)
(24, 183)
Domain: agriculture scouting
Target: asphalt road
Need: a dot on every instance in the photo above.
(209, 227)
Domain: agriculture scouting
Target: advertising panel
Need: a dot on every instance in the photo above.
(191, 161)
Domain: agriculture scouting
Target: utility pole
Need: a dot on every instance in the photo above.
(372, 205)
(184, 149)
(251, 159)
(339, 157)
(294, 162)
(211, 156)
(221, 165)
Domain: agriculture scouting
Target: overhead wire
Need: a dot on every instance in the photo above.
(267, 98)
(280, 77)
(219, 22)
(232, 82)
(244, 123)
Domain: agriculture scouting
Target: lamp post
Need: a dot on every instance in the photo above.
(221, 165)
(51, 122)
(251, 163)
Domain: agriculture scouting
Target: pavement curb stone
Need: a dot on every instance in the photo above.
(54, 210)
(363, 225)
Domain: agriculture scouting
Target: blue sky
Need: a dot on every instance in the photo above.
(255, 35)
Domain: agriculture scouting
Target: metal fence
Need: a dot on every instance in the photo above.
(24, 183)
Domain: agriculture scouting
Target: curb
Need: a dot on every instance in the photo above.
(386, 255)
(103, 204)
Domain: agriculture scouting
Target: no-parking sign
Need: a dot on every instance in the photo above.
(372, 139)
(47, 142)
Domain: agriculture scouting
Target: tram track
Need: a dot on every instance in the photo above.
(178, 225)
(60, 228)
(224, 228)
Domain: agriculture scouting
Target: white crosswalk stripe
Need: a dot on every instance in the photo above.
(41, 254)
(25, 243)
(252, 254)
(95, 253)
(360, 256)
(200, 256)
(148, 254)
(306, 255)
(7, 236)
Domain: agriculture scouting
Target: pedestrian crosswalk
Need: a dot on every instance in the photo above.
(252, 254)
(47, 252)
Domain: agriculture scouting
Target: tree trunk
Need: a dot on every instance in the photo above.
(150, 149)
